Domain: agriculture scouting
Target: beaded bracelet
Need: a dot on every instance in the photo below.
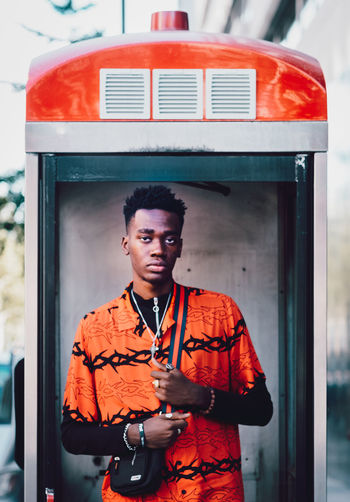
(125, 437)
(142, 434)
(211, 404)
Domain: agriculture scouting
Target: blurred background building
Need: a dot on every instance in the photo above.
(317, 27)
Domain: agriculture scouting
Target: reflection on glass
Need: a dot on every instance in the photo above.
(11, 476)
(5, 392)
(338, 429)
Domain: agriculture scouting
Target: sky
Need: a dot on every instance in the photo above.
(19, 45)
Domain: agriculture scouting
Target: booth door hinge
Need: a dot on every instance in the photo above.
(50, 494)
(300, 167)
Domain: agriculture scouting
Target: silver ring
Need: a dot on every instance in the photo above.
(169, 367)
(179, 431)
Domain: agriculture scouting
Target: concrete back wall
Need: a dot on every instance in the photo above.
(230, 245)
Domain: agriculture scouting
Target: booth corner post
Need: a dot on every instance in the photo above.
(180, 107)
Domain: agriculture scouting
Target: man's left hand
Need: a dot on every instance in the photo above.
(174, 388)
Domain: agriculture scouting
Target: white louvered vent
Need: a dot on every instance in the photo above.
(231, 94)
(124, 93)
(178, 94)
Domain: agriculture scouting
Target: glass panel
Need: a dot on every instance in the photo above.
(5, 390)
(338, 441)
(230, 245)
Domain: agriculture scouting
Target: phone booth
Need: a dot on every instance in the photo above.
(238, 129)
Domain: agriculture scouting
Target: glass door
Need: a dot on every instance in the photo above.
(247, 233)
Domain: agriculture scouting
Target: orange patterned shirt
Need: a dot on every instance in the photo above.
(109, 382)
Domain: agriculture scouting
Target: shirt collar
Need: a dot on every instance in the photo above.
(130, 318)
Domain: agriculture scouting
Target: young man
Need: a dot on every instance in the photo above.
(123, 368)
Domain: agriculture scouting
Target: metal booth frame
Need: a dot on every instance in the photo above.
(297, 164)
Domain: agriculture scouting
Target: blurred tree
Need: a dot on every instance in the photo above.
(16, 86)
(11, 207)
(11, 260)
(71, 40)
(69, 6)
(11, 186)
(11, 293)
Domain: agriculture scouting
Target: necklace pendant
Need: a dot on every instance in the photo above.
(158, 334)
(155, 308)
(154, 349)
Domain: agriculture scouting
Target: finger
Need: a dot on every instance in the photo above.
(166, 416)
(169, 374)
(160, 394)
(176, 415)
(159, 365)
(159, 374)
(178, 424)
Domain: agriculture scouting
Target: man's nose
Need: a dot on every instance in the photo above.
(157, 248)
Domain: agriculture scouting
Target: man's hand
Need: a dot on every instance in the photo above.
(160, 431)
(174, 388)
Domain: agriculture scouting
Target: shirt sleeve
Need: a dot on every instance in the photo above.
(81, 431)
(248, 402)
(253, 408)
(79, 402)
(245, 367)
(90, 439)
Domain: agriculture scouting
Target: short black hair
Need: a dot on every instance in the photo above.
(154, 197)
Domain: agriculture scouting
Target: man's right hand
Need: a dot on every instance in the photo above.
(160, 431)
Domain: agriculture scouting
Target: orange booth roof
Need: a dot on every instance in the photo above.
(64, 85)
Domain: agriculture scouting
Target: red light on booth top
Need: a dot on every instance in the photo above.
(169, 20)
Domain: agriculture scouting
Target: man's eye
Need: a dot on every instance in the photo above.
(170, 240)
(145, 238)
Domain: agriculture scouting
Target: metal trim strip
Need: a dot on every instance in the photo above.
(49, 409)
(302, 320)
(31, 328)
(170, 167)
(320, 327)
(114, 137)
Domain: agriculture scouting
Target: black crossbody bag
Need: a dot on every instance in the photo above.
(139, 472)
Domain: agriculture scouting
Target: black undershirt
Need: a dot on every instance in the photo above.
(253, 408)
(146, 307)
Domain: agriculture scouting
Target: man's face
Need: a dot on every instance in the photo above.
(154, 244)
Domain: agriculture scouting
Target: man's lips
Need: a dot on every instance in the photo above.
(157, 266)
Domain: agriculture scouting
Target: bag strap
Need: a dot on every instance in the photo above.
(177, 332)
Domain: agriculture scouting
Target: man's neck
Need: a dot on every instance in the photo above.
(147, 290)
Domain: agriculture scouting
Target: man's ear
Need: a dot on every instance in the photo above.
(125, 245)
(180, 249)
